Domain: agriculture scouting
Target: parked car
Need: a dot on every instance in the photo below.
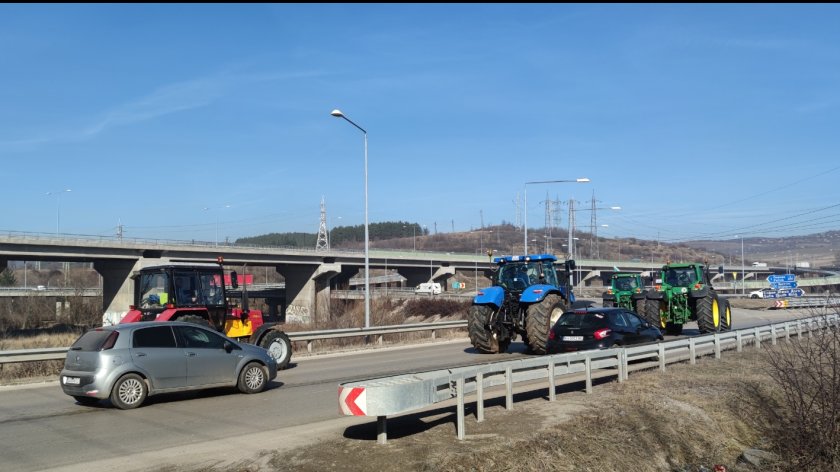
(128, 362)
(763, 293)
(599, 328)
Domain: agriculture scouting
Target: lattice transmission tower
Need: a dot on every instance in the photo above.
(323, 243)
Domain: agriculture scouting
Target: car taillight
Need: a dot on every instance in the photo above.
(551, 335)
(109, 343)
(602, 333)
(609, 291)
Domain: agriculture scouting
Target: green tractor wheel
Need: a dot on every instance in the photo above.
(651, 312)
(482, 338)
(726, 317)
(708, 314)
(539, 319)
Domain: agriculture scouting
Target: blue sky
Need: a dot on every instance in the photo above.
(700, 121)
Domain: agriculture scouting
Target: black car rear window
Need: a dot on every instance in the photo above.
(92, 340)
(156, 336)
(582, 320)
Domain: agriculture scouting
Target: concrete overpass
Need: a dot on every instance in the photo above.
(309, 275)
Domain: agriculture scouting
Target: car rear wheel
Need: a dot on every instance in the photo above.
(129, 392)
(253, 378)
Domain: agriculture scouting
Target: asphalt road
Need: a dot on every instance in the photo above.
(42, 428)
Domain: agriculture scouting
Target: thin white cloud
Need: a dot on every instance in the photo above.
(165, 100)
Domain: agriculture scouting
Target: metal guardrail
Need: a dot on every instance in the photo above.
(309, 337)
(392, 395)
(805, 302)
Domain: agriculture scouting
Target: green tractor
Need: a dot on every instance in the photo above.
(626, 291)
(683, 293)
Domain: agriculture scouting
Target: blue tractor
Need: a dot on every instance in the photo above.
(527, 297)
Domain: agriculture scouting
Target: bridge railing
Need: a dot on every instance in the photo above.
(309, 337)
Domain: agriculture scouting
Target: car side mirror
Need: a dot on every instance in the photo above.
(645, 324)
(228, 347)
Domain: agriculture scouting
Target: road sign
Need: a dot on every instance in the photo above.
(790, 292)
(781, 278)
(780, 285)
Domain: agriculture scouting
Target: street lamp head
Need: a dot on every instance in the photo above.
(615, 208)
(337, 113)
(582, 180)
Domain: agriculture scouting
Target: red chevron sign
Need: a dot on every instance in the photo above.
(352, 401)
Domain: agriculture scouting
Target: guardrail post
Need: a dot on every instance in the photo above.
(739, 341)
(382, 429)
(479, 393)
(757, 338)
(773, 334)
(787, 332)
(459, 386)
(717, 345)
(309, 347)
(379, 339)
(621, 365)
(508, 388)
(587, 362)
(433, 334)
(810, 330)
(552, 395)
(692, 351)
(662, 357)
(798, 329)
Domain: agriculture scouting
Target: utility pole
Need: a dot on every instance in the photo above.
(323, 242)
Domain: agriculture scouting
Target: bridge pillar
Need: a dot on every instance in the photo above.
(308, 291)
(117, 286)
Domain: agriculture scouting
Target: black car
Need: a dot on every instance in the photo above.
(599, 328)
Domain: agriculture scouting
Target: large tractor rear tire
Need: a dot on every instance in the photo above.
(639, 306)
(482, 337)
(708, 314)
(539, 319)
(651, 312)
(726, 316)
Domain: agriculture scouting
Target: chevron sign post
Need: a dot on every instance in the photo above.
(352, 401)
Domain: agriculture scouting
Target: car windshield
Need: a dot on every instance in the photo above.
(582, 320)
(626, 283)
(680, 277)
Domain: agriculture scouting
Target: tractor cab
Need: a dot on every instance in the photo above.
(167, 287)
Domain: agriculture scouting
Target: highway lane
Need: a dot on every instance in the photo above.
(40, 427)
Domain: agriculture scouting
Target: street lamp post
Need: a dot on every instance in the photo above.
(338, 114)
(742, 264)
(525, 219)
(58, 207)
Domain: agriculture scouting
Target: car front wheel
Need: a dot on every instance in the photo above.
(253, 378)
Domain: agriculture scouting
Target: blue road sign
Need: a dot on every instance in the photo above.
(790, 292)
(781, 278)
(780, 285)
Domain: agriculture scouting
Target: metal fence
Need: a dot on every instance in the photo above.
(375, 334)
(398, 394)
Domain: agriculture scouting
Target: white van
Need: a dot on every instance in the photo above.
(432, 288)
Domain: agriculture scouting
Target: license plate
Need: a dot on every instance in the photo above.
(71, 381)
(572, 338)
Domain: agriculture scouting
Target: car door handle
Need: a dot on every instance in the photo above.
(191, 354)
(141, 354)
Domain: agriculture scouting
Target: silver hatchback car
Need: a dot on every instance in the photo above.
(128, 362)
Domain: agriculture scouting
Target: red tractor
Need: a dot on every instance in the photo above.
(195, 293)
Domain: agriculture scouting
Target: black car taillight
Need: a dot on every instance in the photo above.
(602, 333)
(551, 334)
(109, 343)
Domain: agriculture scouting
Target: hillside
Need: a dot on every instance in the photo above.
(820, 250)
